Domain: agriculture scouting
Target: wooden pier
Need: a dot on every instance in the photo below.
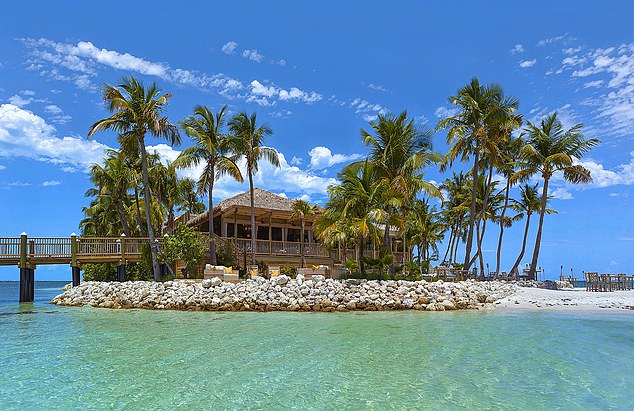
(27, 253)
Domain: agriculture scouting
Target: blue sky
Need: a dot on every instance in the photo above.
(317, 73)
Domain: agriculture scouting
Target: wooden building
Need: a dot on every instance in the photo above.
(277, 233)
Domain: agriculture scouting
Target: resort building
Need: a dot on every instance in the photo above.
(278, 234)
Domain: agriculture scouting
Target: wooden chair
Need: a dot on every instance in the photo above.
(592, 281)
(253, 271)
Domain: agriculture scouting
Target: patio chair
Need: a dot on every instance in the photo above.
(274, 271)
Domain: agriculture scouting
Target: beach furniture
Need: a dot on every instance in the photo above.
(309, 272)
(253, 271)
(274, 271)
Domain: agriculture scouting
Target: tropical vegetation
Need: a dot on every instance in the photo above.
(382, 206)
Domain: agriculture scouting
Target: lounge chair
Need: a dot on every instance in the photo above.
(274, 271)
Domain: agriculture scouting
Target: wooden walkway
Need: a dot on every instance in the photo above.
(74, 251)
(27, 253)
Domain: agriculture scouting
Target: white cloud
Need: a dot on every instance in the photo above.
(563, 38)
(25, 134)
(253, 55)
(27, 92)
(17, 184)
(444, 112)
(527, 63)
(53, 109)
(561, 194)
(51, 183)
(615, 103)
(82, 60)
(229, 47)
(19, 101)
(282, 62)
(368, 111)
(518, 48)
(266, 95)
(2, 167)
(295, 161)
(378, 87)
(321, 157)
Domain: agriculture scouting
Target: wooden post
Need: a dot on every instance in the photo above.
(122, 262)
(270, 232)
(74, 268)
(27, 274)
(235, 224)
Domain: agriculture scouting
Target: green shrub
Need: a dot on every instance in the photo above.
(186, 244)
(224, 254)
(99, 272)
(289, 270)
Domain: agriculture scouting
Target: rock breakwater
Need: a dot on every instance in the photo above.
(285, 294)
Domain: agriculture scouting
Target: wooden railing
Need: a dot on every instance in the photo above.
(266, 247)
(74, 250)
(9, 248)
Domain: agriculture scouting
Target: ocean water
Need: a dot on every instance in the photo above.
(57, 358)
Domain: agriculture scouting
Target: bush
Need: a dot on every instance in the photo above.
(289, 270)
(99, 272)
(186, 244)
(225, 255)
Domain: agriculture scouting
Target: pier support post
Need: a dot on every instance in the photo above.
(76, 274)
(121, 273)
(27, 273)
(27, 284)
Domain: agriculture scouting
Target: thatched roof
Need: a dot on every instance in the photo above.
(264, 200)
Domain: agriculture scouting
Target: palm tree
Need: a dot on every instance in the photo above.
(301, 210)
(113, 179)
(510, 152)
(190, 202)
(214, 150)
(249, 140)
(528, 203)
(549, 149)
(481, 107)
(399, 151)
(137, 111)
(356, 204)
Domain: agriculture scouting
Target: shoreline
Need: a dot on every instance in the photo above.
(326, 295)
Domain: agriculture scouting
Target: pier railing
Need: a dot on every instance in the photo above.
(73, 250)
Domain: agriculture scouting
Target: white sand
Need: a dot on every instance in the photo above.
(527, 298)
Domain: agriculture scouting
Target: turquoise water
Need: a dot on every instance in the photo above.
(70, 358)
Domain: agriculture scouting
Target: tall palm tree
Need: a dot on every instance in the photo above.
(249, 143)
(214, 149)
(190, 202)
(137, 111)
(528, 203)
(509, 155)
(301, 210)
(399, 151)
(549, 149)
(481, 106)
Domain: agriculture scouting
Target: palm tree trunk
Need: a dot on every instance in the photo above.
(253, 233)
(538, 239)
(360, 258)
(123, 218)
(147, 196)
(481, 215)
(138, 211)
(212, 244)
(444, 259)
(301, 246)
(506, 203)
(519, 258)
(472, 209)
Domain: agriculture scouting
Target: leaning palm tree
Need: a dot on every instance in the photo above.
(549, 149)
(528, 203)
(137, 111)
(214, 150)
(301, 210)
(248, 143)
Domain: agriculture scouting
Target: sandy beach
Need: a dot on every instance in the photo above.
(528, 298)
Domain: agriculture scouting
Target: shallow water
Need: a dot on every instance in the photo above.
(61, 358)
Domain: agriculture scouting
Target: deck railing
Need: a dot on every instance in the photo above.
(9, 247)
(49, 247)
(266, 247)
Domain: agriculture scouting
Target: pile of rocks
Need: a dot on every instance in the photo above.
(285, 294)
